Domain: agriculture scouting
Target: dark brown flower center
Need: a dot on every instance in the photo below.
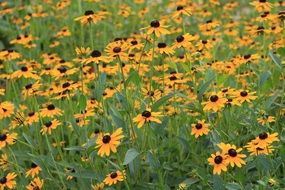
(243, 93)
(48, 124)
(155, 24)
(95, 53)
(247, 56)
(146, 114)
(106, 139)
(3, 137)
(263, 136)
(232, 152)
(28, 86)
(33, 165)
(150, 93)
(89, 12)
(134, 42)
(198, 126)
(180, 7)
(51, 107)
(262, 1)
(65, 85)
(3, 180)
(24, 69)
(161, 45)
(179, 38)
(31, 114)
(117, 49)
(173, 77)
(218, 159)
(113, 175)
(62, 69)
(214, 98)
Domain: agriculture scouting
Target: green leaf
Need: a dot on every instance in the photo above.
(190, 181)
(218, 182)
(233, 186)
(74, 148)
(262, 163)
(281, 51)
(270, 101)
(82, 102)
(133, 77)
(28, 139)
(152, 161)
(275, 59)
(130, 156)
(117, 118)
(203, 87)
(122, 99)
(161, 101)
(263, 78)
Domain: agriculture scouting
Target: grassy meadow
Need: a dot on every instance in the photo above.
(142, 94)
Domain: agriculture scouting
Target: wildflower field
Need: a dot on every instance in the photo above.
(142, 94)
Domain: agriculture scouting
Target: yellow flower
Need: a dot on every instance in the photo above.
(37, 184)
(35, 169)
(147, 116)
(106, 142)
(215, 103)
(8, 181)
(7, 139)
(244, 95)
(114, 178)
(49, 126)
(156, 28)
(233, 155)
(219, 162)
(200, 128)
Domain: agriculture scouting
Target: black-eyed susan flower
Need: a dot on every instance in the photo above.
(31, 89)
(233, 155)
(156, 28)
(117, 49)
(216, 102)
(32, 117)
(98, 186)
(245, 96)
(26, 72)
(6, 109)
(265, 119)
(36, 184)
(8, 181)
(107, 143)
(182, 10)
(262, 5)
(184, 41)
(96, 57)
(147, 116)
(49, 126)
(4, 163)
(219, 162)
(89, 17)
(200, 128)
(265, 139)
(162, 48)
(50, 111)
(35, 170)
(256, 149)
(262, 144)
(7, 139)
(114, 178)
